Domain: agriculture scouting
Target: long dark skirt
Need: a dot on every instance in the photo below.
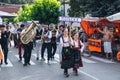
(67, 58)
(77, 59)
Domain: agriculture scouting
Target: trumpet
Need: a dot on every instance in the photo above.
(29, 34)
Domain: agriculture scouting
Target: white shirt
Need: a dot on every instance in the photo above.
(75, 43)
(23, 31)
(65, 43)
(50, 34)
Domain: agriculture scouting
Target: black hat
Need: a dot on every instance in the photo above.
(2, 26)
(22, 25)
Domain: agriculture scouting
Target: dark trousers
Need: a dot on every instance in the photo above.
(65, 70)
(48, 46)
(53, 49)
(27, 52)
(5, 52)
(20, 50)
(15, 40)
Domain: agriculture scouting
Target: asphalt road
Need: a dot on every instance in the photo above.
(95, 68)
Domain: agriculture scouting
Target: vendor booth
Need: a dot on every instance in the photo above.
(95, 38)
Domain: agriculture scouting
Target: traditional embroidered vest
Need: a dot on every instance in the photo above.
(76, 48)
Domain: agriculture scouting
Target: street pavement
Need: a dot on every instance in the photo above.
(94, 68)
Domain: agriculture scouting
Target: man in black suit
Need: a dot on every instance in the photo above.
(27, 48)
(4, 42)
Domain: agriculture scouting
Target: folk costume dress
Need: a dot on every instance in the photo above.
(77, 48)
(67, 59)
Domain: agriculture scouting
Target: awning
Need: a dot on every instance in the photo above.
(6, 15)
(114, 17)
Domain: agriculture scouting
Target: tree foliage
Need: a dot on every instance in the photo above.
(77, 8)
(45, 11)
(98, 8)
(102, 8)
(24, 14)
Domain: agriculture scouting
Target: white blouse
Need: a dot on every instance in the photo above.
(75, 43)
(65, 43)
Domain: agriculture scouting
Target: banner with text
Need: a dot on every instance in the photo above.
(69, 19)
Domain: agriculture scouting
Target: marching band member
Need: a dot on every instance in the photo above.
(67, 60)
(77, 48)
(39, 31)
(27, 48)
(4, 42)
(53, 40)
(46, 37)
(59, 34)
(19, 30)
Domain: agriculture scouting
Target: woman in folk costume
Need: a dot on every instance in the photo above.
(67, 61)
(77, 48)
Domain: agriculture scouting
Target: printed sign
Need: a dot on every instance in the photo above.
(95, 45)
(67, 19)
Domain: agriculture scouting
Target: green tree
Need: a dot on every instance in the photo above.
(24, 14)
(77, 8)
(98, 8)
(46, 11)
(102, 8)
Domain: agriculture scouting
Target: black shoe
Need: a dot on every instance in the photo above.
(29, 64)
(43, 59)
(48, 62)
(20, 59)
(25, 64)
(6, 63)
(75, 72)
(37, 58)
(52, 58)
(66, 74)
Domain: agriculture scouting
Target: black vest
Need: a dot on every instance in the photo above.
(38, 33)
(4, 38)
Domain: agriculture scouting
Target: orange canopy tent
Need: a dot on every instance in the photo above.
(89, 25)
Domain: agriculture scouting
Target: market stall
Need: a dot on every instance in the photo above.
(95, 38)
